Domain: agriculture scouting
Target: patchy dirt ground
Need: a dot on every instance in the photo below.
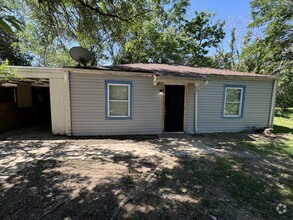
(146, 177)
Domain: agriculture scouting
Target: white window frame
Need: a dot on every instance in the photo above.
(108, 100)
(240, 102)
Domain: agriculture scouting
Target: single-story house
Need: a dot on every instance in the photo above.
(135, 99)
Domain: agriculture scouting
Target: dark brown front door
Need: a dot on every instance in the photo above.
(174, 108)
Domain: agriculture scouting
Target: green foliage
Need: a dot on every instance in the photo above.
(285, 91)
(272, 51)
(5, 73)
(11, 51)
(8, 22)
(169, 38)
(117, 31)
(52, 27)
(269, 52)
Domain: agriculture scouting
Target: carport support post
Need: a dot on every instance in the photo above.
(60, 103)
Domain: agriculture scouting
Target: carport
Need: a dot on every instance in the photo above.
(25, 102)
(37, 98)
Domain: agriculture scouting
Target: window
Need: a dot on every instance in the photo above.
(118, 99)
(234, 101)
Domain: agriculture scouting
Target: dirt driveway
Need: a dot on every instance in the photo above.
(74, 169)
(18, 150)
(47, 177)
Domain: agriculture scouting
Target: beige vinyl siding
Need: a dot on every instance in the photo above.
(87, 93)
(256, 106)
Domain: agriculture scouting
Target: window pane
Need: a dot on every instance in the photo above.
(118, 92)
(118, 108)
(233, 95)
(232, 109)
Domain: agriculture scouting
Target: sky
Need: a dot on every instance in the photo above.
(225, 9)
(236, 13)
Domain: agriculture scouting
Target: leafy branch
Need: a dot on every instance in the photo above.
(6, 73)
(7, 21)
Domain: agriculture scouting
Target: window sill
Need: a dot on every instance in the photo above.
(232, 117)
(118, 118)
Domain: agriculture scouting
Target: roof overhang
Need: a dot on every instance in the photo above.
(38, 72)
(172, 80)
(34, 82)
(107, 72)
(254, 78)
(33, 76)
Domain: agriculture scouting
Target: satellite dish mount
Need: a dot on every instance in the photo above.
(80, 55)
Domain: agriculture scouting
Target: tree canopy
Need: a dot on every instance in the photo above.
(173, 39)
(114, 31)
(52, 27)
(8, 22)
(272, 52)
(10, 51)
(267, 47)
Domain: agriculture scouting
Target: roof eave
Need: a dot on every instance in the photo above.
(108, 71)
(243, 77)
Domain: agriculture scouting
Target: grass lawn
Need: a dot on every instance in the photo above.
(231, 186)
(253, 179)
(283, 122)
(283, 144)
(266, 180)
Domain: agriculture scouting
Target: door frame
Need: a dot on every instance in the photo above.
(184, 107)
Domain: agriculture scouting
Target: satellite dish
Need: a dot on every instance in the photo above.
(81, 55)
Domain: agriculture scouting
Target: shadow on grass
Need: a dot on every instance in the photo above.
(284, 114)
(275, 147)
(205, 186)
(284, 122)
(282, 129)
